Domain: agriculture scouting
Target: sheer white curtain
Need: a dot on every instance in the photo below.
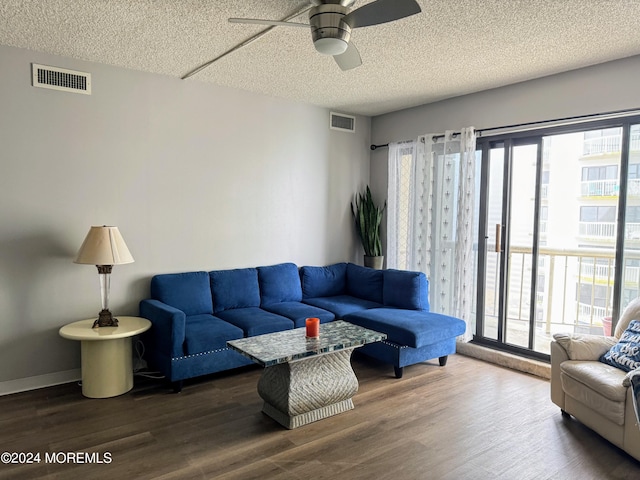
(430, 216)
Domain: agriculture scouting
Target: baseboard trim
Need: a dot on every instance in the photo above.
(39, 381)
(497, 357)
(505, 359)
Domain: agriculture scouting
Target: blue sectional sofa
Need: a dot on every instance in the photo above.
(194, 314)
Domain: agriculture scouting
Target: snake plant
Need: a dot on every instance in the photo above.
(368, 218)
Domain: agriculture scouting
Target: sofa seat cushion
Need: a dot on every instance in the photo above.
(279, 283)
(413, 328)
(236, 288)
(256, 321)
(596, 385)
(204, 333)
(299, 312)
(326, 281)
(341, 305)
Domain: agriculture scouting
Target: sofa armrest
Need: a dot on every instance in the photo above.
(581, 347)
(558, 355)
(584, 346)
(168, 326)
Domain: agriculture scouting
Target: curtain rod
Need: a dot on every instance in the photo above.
(542, 124)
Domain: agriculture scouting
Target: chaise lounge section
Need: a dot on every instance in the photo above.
(194, 314)
(395, 302)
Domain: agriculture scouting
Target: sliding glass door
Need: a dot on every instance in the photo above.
(558, 212)
(513, 226)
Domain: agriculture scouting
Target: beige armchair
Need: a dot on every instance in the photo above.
(596, 394)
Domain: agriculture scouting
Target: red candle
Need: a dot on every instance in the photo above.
(313, 327)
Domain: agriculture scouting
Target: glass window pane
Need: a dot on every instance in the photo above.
(578, 257)
(494, 218)
(521, 229)
(607, 214)
(588, 214)
(631, 254)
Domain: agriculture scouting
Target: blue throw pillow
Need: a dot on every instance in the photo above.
(625, 354)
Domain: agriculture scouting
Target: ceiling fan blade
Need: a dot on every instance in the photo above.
(349, 59)
(381, 11)
(258, 21)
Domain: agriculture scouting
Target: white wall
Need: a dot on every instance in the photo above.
(602, 88)
(197, 177)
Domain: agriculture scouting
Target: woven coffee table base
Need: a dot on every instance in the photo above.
(310, 389)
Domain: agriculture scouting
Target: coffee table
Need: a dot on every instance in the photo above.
(307, 379)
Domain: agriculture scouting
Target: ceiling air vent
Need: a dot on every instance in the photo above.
(339, 121)
(61, 79)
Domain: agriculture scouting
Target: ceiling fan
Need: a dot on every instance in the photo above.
(331, 22)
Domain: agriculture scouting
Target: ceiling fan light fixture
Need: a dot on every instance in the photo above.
(331, 46)
(331, 22)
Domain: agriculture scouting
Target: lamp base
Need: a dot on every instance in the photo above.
(105, 319)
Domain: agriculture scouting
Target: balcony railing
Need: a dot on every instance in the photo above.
(588, 312)
(599, 273)
(598, 230)
(633, 187)
(608, 144)
(564, 275)
(608, 188)
(607, 230)
(544, 191)
(600, 188)
(602, 274)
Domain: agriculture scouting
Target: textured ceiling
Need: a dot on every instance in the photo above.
(453, 47)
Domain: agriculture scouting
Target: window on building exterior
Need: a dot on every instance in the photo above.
(598, 214)
(605, 172)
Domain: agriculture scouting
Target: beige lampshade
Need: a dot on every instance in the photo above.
(104, 246)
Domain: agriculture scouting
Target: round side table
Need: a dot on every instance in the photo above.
(107, 365)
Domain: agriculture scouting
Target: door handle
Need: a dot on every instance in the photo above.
(498, 242)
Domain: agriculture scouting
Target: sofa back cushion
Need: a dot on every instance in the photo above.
(365, 283)
(405, 289)
(279, 283)
(188, 292)
(236, 288)
(326, 281)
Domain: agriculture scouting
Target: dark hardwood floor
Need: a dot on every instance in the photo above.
(468, 420)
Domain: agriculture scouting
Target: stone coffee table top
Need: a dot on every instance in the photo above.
(288, 345)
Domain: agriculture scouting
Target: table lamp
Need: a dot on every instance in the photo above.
(104, 247)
